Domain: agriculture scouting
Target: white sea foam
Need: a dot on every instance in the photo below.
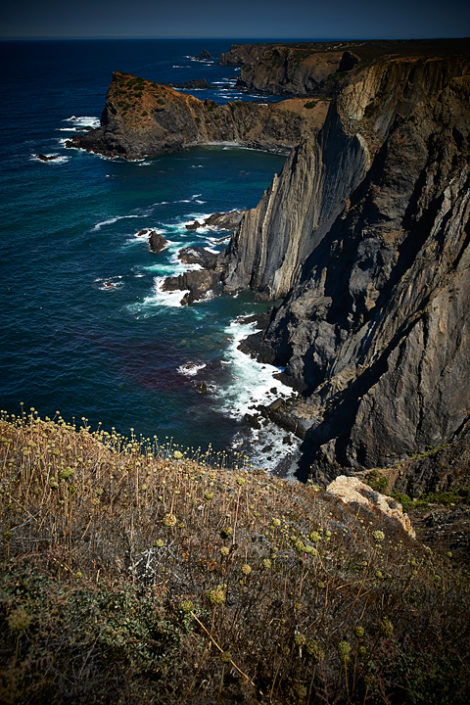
(190, 369)
(251, 380)
(83, 120)
(110, 221)
(191, 199)
(143, 237)
(272, 449)
(250, 385)
(163, 298)
(187, 219)
(56, 159)
(109, 284)
(144, 163)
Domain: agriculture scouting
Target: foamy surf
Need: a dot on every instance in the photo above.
(159, 297)
(110, 221)
(251, 381)
(53, 158)
(83, 120)
(190, 369)
(109, 284)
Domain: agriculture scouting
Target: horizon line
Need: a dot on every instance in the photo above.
(221, 37)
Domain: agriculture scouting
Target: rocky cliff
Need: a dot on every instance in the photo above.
(369, 229)
(364, 235)
(314, 68)
(142, 118)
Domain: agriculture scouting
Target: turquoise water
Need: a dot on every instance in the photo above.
(126, 355)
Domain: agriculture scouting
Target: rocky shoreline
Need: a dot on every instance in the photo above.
(363, 236)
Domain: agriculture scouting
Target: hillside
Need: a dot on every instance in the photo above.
(140, 573)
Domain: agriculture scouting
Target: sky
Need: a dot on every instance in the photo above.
(299, 19)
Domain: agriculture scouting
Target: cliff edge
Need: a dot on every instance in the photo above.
(367, 230)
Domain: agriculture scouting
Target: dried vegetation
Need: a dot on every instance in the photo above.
(134, 572)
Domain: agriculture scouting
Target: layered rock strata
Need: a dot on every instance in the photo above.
(370, 225)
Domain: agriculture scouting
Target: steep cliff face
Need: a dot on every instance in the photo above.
(295, 212)
(321, 68)
(308, 68)
(285, 70)
(142, 118)
(375, 328)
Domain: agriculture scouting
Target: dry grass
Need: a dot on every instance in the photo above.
(134, 573)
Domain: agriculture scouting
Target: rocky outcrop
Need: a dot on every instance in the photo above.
(352, 490)
(141, 118)
(295, 212)
(157, 242)
(196, 283)
(369, 227)
(204, 55)
(219, 221)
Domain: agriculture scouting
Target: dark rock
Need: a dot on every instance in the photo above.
(225, 221)
(197, 283)
(156, 241)
(220, 221)
(348, 61)
(198, 255)
(46, 157)
(205, 54)
(196, 83)
(194, 226)
(366, 232)
(252, 420)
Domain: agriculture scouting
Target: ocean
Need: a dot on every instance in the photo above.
(128, 356)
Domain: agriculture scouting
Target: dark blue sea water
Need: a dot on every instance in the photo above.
(125, 355)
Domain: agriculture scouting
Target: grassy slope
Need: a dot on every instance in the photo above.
(132, 573)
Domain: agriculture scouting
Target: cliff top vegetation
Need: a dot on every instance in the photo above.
(138, 572)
